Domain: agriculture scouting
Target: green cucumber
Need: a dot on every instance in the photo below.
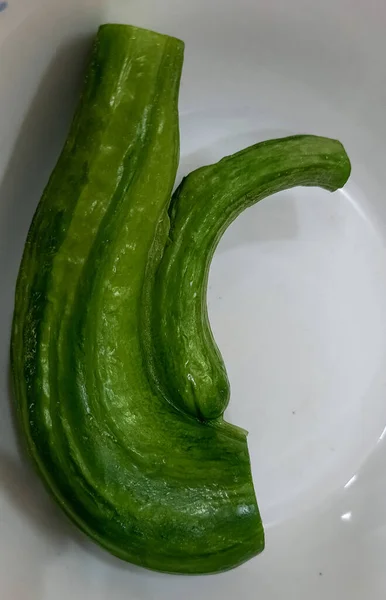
(193, 375)
(104, 305)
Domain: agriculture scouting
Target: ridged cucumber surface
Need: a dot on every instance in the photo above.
(120, 388)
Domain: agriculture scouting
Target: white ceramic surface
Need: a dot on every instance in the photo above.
(297, 292)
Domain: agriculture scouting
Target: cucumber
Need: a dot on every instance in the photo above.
(103, 307)
(193, 375)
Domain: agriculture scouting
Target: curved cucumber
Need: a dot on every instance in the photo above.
(193, 375)
(107, 414)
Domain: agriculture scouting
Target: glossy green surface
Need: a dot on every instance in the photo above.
(102, 331)
(193, 375)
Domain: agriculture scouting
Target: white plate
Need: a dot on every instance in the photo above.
(297, 289)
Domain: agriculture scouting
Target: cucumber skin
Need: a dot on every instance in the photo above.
(148, 483)
(193, 376)
(126, 457)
